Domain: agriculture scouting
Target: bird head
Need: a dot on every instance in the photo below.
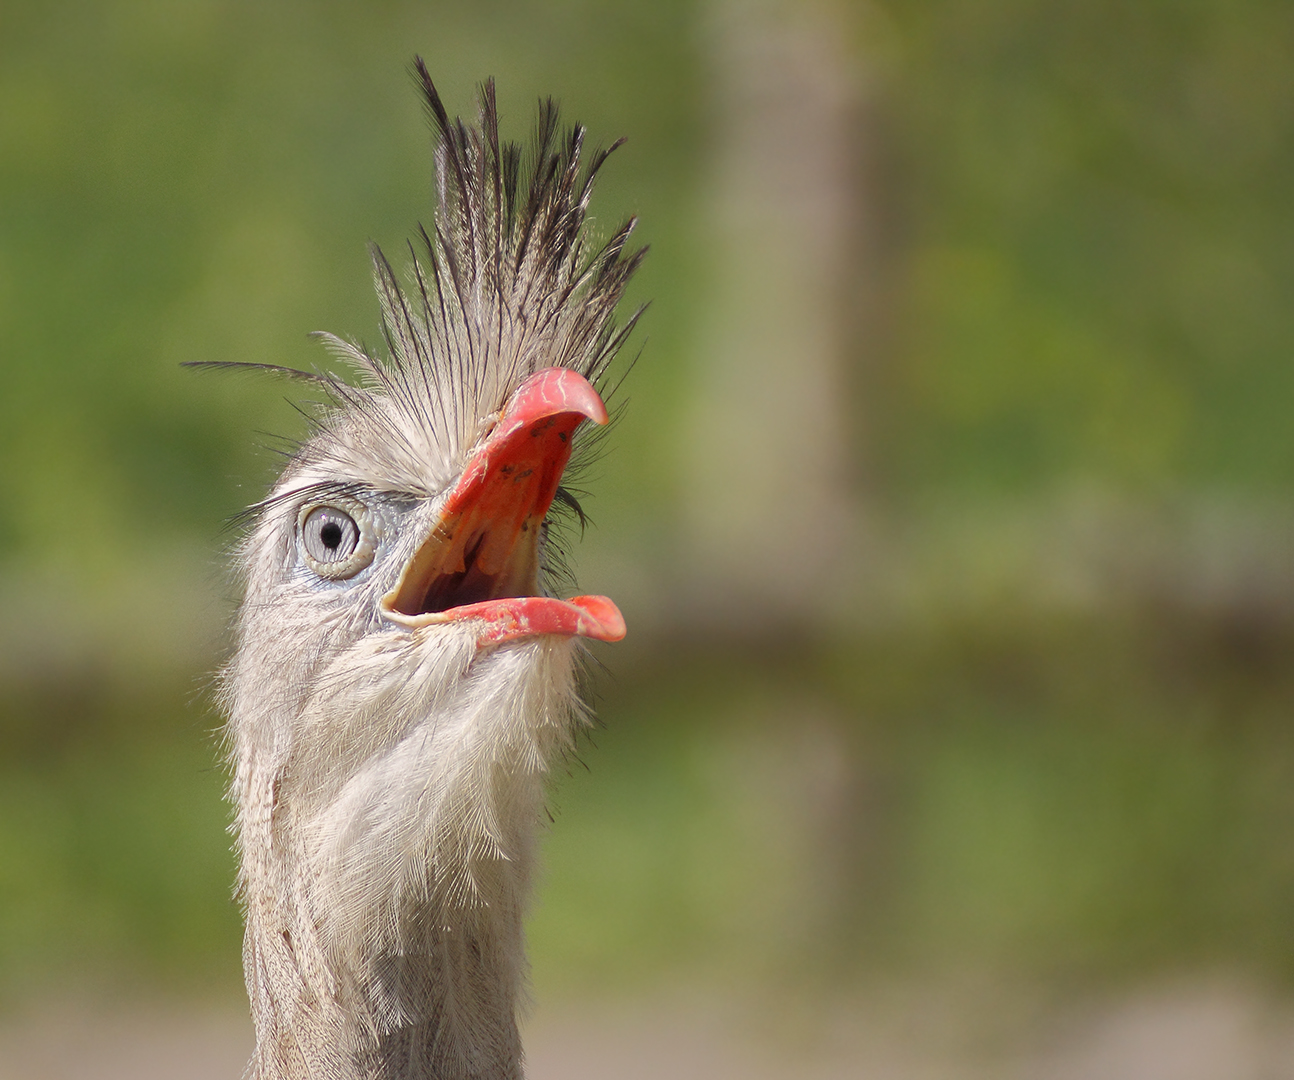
(405, 671)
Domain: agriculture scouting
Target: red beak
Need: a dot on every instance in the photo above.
(482, 560)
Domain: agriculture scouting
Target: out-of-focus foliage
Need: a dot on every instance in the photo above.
(1097, 257)
(1066, 799)
(1087, 227)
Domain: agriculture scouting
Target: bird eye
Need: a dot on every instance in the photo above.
(336, 538)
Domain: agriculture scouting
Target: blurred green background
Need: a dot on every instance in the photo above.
(1049, 735)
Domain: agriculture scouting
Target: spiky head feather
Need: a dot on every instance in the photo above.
(506, 283)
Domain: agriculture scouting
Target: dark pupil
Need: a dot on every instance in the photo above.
(330, 534)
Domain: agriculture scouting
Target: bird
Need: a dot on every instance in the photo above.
(404, 672)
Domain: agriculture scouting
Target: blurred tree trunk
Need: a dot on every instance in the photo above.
(771, 497)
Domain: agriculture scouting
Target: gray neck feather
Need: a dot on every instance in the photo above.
(387, 825)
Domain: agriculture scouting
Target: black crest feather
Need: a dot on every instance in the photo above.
(507, 282)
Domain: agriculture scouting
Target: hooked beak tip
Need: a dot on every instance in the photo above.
(553, 391)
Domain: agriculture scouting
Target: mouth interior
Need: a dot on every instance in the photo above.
(469, 580)
(467, 586)
(481, 553)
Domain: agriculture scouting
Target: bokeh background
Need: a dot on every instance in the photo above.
(950, 510)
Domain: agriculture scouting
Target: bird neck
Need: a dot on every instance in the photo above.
(445, 1009)
(387, 844)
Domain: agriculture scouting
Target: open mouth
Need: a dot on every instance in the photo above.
(482, 559)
